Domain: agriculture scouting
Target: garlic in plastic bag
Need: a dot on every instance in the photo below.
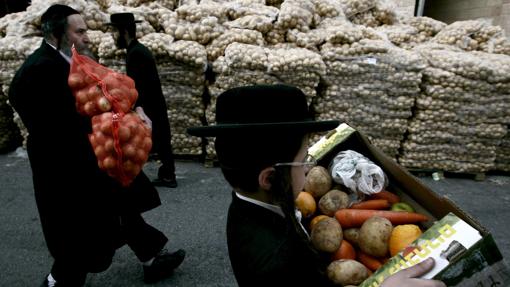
(357, 173)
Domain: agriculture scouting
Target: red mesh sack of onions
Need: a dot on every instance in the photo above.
(121, 143)
(98, 89)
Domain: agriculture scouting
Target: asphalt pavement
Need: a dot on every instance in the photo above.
(193, 216)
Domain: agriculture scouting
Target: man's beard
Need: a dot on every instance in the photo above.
(66, 45)
(121, 43)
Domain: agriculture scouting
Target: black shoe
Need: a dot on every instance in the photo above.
(171, 182)
(163, 266)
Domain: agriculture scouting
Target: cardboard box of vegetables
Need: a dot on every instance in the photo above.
(370, 214)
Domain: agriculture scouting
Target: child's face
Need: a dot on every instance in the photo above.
(298, 173)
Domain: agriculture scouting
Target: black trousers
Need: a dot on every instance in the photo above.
(162, 142)
(145, 241)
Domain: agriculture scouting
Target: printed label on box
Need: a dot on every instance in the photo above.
(446, 241)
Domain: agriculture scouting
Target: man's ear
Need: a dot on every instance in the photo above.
(265, 178)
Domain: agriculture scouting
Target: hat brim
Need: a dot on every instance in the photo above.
(122, 24)
(230, 129)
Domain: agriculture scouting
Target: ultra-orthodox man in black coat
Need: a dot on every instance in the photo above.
(78, 204)
(141, 67)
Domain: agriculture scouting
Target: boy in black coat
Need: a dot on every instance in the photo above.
(261, 143)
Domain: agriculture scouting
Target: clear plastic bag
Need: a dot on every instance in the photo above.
(357, 173)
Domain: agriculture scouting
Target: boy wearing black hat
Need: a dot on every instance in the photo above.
(141, 67)
(261, 144)
(85, 215)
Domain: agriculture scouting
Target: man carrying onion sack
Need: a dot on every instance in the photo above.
(85, 214)
(141, 67)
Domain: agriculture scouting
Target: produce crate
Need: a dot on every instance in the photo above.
(481, 265)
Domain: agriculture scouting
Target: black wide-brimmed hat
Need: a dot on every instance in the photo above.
(122, 19)
(262, 108)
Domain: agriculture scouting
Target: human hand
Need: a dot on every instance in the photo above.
(144, 117)
(407, 277)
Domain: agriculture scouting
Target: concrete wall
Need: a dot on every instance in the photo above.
(404, 7)
(496, 12)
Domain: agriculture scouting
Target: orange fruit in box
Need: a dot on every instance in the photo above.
(402, 236)
(306, 204)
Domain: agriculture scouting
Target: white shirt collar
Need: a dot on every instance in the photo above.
(66, 57)
(274, 208)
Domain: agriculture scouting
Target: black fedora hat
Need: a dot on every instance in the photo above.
(262, 108)
(122, 19)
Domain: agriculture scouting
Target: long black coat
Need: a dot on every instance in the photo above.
(141, 67)
(263, 251)
(78, 203)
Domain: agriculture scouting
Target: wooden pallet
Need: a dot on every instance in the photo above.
(440, 174)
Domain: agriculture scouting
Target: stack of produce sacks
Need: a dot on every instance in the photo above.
(251, 15)
(21, 24)
(10, 136)
(20, 36)
(500, 113)
(300, 22)
(427, 27)
(241, 65)
(461, 115)
(182, 75)
(238, 68)
(152, 13)
(195, 22)
(95, 37)
(370, 13)
(169, 4)
(295, 14)
(6, 20)
(474, 35)
(370, 84)
(292, 22)
(109, 55)
(217, 47)
(412, 31)
(246, 64)
(298, 67)
(13, 52)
